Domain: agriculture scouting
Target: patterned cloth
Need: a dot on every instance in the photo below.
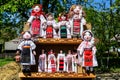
(76, 26)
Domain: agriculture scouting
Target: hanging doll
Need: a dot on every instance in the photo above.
(87, 52)
(27, 50)
(51, 26)
(64, 26)
(69, 61)
(37, 21)
(76, 18)
(51, 62)
(61, 67)
(42, 66)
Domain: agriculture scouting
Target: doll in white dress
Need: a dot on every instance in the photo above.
(64, 26)
(87, 52)
(69, 61)
(51, 62)
(61, 66)
(26, 48)
(51, 26)
(77, 21)
(42, 66)
(37, 21)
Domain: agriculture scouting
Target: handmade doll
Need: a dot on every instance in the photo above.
(61, 66)
(17, 57)
(87, 52)
(76, 18)
(75, 60)
(51, 26)
(51, 62)
(64, 26)
(42, 66)
(37, 21)
(27, 50)
(69, 61)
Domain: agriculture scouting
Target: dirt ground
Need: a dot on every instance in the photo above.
(10, 71)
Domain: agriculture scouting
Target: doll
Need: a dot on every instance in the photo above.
(51, 26)
(61, 62)
(76, 18)
(27, 51)
(87, 52)
(64, 26)
(51, 62)
(42, 67)
(75, 60)
(17, 57)
(37, 21)
(69, 61)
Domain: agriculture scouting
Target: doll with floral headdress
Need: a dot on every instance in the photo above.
(51, 62)
(77, 21)
(51, 26)
(64, 26)
(26, 48)
(37, 21)
(87, 52)
(42, 62)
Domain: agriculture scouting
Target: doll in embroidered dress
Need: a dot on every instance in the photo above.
(87, 52)
(61, 66)
(51, 26)
(77, 21)
(75, 60)
(51, 62)
(37, 21)
(69, 61)
(64, 26)
(42, 66)
(27, 51)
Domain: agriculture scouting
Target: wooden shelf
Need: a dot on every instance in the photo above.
(59, 41)
(58, 75)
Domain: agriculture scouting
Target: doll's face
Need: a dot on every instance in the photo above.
(87, 36)
(63, 17)
(36, 8)
(61, 51)
(50, 17)
(77, 9)
(26, 35)
(75, 16)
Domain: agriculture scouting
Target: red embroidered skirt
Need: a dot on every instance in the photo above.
(88, 58)
(49, 31)
(76, 26)
(35, 26)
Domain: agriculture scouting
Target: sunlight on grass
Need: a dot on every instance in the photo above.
(5, 61)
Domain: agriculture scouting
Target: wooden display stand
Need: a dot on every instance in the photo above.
(56, 45)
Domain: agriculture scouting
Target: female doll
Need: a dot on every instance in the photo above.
(37, 21)
(51, 62)
(42, 67)
(61, 62)
(69, 61)
(87, 52)
(27, 51)
(64, 26)
(75, 60)
(51, 26)
(76, 18)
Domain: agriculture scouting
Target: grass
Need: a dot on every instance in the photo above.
(4, 61)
